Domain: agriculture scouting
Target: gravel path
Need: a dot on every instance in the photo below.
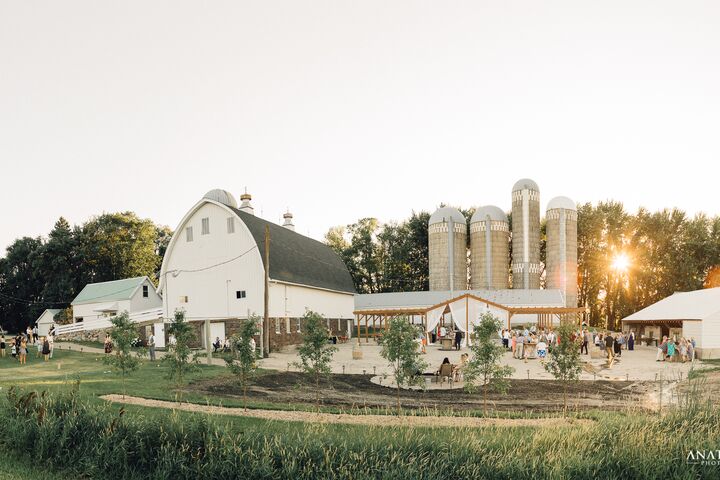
(378, 420)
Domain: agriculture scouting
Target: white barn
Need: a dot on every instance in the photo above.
(688, 314)
(214, 269)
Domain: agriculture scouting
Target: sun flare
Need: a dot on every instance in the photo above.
(621, 262)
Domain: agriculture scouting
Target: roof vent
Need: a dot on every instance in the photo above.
(288, 223)
(245, 205)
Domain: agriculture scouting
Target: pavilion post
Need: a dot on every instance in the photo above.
(367, 330)
(358, 317)
(467, 321)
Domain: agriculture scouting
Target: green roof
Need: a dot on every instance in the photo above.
(108, 291)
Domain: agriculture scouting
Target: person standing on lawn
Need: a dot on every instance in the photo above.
(23, 352)
(151, 347)
(45, 349)
(2, 346)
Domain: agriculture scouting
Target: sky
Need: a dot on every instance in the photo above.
(342, 109)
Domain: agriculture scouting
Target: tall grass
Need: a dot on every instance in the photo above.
(100, 441)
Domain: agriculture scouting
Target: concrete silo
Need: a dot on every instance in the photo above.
(447, 248)
(561, 249)
(489, 249)
(526, 234)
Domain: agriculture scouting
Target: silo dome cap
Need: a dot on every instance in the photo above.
(561, 203)
(444, 214)
(524, 183)
(221, 196)
(495, 214)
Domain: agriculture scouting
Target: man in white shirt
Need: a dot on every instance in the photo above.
(443, 332)
(151, 347)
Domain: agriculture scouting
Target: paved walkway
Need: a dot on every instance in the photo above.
(638, 364)
(635, 365)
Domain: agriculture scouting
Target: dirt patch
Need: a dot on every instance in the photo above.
(357, 391)
(378, 420)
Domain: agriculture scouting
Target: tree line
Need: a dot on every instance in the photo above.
(667, 251)
(48, 272)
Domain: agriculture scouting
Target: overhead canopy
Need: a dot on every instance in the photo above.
(466, 310)
(419, 302)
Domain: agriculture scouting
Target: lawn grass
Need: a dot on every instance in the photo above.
(18, 467)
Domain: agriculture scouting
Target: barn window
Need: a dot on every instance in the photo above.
(298, 325)
(146, 293)
(277, 326)
(184, 299)
(240, 294)
(231, 225)
(287, 325)
(188, 234)
(205, 226)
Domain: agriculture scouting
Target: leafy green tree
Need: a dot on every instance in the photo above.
(487, 354)
(120, 245)
(400, 349)
(180, 359)
(563, 362)
(315, 352)
(124, 360)
(243, 364)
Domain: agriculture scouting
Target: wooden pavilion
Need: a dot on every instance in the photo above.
(378, 318)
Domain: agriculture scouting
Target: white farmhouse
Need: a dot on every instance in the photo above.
(106, 299)
(214, 269)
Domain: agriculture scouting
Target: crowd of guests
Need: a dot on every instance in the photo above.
(527, 343)
(23, 343)
(674, 350)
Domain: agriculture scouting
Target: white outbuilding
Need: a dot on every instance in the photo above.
(693, 315)
(46, 320)
(214, 270)
(98, 302)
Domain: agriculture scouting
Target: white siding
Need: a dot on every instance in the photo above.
(140, 304)
(293, 301)
(210, 271)
(88, 311)
(693, 329)
(711, 331)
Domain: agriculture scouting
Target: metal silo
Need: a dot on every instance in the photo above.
(526, 234)
(447, 246)
(561, 248)
(489, 249)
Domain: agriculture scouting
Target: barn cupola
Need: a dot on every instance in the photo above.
(245, 205)
(288, 223)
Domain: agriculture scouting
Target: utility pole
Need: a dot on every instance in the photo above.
(266, 317)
